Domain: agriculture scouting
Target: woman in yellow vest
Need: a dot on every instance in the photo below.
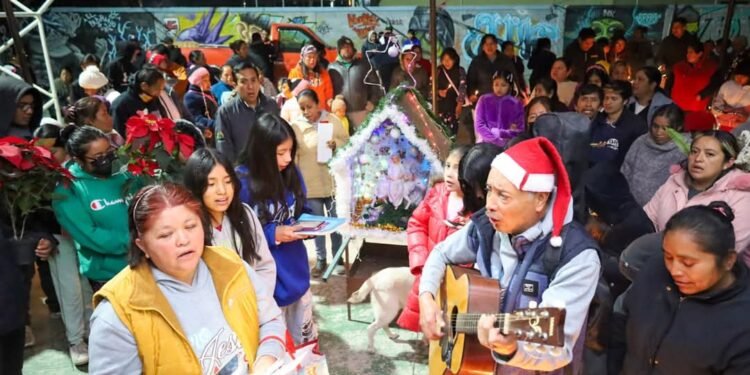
(182, 307)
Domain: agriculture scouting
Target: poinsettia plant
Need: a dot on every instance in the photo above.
(28, 176)
(153, 149)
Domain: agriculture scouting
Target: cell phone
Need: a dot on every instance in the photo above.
(310, 226)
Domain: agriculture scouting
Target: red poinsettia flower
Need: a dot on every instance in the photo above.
(11, 153)
(143, 166)
(187, 144)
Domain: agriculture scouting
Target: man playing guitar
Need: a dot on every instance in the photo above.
(526, 239)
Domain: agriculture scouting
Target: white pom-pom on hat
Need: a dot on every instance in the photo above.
(555, 241)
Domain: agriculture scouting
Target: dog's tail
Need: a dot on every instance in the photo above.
(362, 293)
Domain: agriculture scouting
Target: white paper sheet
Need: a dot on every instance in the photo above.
(325, 134)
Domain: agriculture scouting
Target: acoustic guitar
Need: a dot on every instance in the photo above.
(463, 297)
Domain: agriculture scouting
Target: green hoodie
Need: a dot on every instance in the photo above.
(92, 210)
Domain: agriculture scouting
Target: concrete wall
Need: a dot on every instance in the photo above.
(73, 32)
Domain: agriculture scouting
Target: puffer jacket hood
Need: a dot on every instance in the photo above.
(12, 90)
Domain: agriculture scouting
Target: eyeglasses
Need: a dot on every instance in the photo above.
(109, 153)
(26, 107)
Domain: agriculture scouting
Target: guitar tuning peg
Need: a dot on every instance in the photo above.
(555, 351)
(544, 336)
(541, 349)
(519, 333)
(533, 304)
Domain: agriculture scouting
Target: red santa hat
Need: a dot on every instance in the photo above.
(535, 165)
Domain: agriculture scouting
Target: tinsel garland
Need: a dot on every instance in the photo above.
(347, 156)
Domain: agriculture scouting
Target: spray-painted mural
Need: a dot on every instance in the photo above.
(610, 21)
(707, 21)
(73, 32)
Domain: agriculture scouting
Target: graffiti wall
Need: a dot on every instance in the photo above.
(77, 31)
(707, 21)
(73, 32)
(611, 21)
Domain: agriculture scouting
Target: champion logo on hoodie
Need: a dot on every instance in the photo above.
(100, 204)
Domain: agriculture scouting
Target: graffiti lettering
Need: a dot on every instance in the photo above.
(647, 19)
(362, 24)
(522, 31)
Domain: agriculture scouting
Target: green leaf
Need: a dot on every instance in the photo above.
(679, 140)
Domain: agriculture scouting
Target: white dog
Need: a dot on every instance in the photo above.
(388, 290)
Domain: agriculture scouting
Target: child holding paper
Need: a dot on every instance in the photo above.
(318, 134)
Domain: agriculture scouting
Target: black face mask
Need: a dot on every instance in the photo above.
(102, 166)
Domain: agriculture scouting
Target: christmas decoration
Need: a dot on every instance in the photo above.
(384, 171)
(154, 149)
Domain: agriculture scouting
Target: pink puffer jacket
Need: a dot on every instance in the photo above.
(733, 188)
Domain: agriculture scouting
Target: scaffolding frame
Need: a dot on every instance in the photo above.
(36, 24)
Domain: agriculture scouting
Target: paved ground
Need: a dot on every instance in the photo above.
(344, 342)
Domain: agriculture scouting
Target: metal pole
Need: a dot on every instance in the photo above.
(725, 33)
(433, 52)
(27, 29)
(20, 53)
(48, 65)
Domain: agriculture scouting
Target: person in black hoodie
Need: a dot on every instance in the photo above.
(20, 109)
(674, 47)
(120, 70)
(13, 301)
(615, 129)
(686, 312)
(142, 94)
(541, 61)
(487, 62)
(583, 53)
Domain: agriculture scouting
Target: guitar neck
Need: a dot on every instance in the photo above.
(467, 322)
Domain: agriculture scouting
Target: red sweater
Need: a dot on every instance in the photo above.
(689, 80)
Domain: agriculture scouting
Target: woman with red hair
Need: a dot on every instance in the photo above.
(147, 319)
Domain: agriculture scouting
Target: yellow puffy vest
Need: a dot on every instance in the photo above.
(162, 345)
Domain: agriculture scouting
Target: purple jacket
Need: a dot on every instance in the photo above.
(498, 119)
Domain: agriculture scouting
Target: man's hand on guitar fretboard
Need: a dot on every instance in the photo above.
(493, 339)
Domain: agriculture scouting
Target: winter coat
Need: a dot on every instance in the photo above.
(673, 50)
(119, 71)
(540, 64)
(348, 80)
(202, 105)
(689, 80)
(13, 294)
(582, 60)
(219, 89)
(233, 122)
(612, 142)
(127, 105)
(668, 333)
(320, 83)
(399, 76)
(646, 166)
(292, 270)
(94, 211)
(659, 100)
(481, 70)
(317, 175)
(425, 229)
(498, 119)
(12, 90)
(733, 188)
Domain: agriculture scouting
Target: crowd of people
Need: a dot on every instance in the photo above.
(651, 199)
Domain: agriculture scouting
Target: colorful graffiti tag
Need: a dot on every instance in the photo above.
(610, 21)
(73, 32)
(520, 26)
(707, 21)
